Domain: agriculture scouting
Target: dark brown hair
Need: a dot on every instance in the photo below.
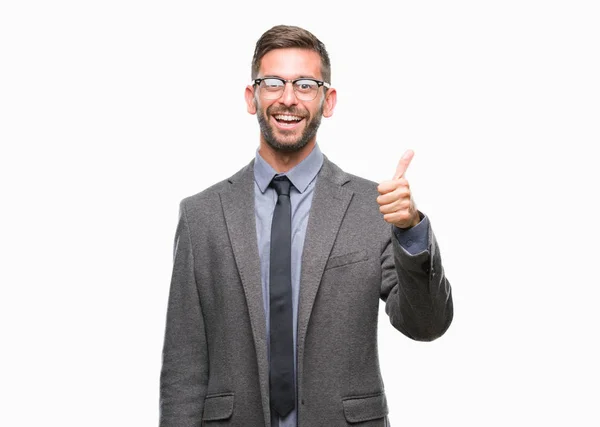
(286, 36)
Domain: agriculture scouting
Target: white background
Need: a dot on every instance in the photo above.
(112, 111)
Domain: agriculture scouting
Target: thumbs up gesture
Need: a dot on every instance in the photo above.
(395, 200)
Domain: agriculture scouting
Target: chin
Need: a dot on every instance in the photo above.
(286, 147)
(287, 142)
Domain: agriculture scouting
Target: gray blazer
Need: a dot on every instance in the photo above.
(215, 368)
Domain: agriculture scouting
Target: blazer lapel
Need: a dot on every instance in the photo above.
(328, 208)
(329, 205)
(238, 208)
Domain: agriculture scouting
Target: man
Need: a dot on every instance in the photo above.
(278, 270)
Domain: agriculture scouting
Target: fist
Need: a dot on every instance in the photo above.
(395, 200)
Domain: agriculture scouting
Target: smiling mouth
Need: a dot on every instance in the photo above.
(287, 121)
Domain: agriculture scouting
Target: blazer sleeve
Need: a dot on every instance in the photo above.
(184, 373)
(417, 294)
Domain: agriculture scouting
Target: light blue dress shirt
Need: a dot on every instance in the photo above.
(303, 178)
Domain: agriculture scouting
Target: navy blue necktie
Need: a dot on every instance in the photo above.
(283, 393)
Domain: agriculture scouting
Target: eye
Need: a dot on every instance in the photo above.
(306, 85)
(272, 84)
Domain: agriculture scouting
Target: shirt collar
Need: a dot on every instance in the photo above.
(300, 175)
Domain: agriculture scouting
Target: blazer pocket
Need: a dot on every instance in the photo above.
(218, 406)
(352, 257)
(364, 408)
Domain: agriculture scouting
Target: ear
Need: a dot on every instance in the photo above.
(330, 101)
(250, 101)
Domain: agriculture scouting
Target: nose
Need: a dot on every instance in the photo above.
(288, 97)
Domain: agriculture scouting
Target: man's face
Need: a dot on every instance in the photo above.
(288, 124)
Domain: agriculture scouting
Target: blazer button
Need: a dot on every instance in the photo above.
(303, 401)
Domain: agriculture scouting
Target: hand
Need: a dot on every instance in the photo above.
(395, 200)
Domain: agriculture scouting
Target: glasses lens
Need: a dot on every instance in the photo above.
(272, 88)
(306, 90)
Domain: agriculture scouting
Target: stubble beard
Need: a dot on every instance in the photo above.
(310, 131)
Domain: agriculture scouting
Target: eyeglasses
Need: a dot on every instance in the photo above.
(273, 87)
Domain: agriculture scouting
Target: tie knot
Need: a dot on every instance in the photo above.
(282, 185)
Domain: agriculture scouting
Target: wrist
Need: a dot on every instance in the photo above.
(417, 218)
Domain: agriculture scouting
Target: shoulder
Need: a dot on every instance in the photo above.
(363, 214)
(361, 184)
(349, 181)
(206, 198)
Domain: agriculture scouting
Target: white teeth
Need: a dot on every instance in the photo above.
(288, 118)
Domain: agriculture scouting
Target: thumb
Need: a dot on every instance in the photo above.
(403, 164)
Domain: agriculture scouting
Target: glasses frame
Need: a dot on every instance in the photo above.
(319, 83)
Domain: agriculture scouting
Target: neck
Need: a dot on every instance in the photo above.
(284, 161)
